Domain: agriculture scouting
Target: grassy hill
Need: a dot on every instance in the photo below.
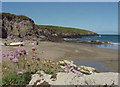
(68, 30)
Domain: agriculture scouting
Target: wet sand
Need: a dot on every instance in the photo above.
(72, 51)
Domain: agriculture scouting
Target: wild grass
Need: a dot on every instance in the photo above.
(8, 15)
(67, 30)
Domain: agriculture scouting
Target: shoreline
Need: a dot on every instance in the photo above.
(57, 51)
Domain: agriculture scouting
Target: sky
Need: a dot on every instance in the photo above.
(99, 17)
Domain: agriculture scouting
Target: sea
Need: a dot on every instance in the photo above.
(113, 39)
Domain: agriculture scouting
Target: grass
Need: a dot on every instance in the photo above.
(8, 15)
(67, 30)
(16, 80)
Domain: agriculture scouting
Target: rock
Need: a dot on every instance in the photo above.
(108, 78)
(87, 70)
(82, 69)
(67, 62)
(16, 26)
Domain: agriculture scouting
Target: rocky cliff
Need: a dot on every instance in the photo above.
(16, 26)
(19, 26)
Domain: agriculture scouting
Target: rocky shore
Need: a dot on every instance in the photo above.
(88, 76)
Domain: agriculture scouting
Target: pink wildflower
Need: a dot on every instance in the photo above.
(34, 48)
(65, 70)
(15, 60)
(3, 55)
(25, 59)
(20, 73)
(5, 67)
(79, 73)
(53, 63)
(19, 51)
(66, 66)
(27, 53)
(10, 57)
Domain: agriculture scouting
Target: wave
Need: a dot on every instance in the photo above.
(115, 43)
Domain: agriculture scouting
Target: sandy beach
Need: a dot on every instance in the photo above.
(72, 51)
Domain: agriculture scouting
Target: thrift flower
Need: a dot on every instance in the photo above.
(33, 57)
(3, 55)
(53, 63)
(25, 59)
(79, 73)
(20, 73)
(10, 57)
(65, 70)
(5, 67)
(34, 48)
(38, 59)
(27, 53)
(15, 60)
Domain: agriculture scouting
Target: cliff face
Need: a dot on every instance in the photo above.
(19, 26)
(62, 32)
(16, 26)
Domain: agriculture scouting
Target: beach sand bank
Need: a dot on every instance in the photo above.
(72, 51)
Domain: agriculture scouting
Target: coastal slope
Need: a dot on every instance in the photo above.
(20, 26)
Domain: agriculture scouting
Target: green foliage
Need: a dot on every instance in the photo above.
(68, 30)
(15, 79)
(49, 71)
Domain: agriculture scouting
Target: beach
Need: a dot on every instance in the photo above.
(72, 51)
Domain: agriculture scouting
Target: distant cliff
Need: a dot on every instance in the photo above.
(63, 32)
(19, 26)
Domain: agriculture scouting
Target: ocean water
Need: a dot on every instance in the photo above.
(99, 66)
(113, 39)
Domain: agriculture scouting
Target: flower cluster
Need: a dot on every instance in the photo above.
(21, 61)
(68, 68)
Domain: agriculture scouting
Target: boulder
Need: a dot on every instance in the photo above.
(67, 62)
(108, 78)
(87, 70)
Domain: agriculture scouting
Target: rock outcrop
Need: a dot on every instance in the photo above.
(16, 26)
(87, 76)
(109, 78)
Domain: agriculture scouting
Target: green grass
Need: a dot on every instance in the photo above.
(16, 80)
(67, 30)
(14, 16)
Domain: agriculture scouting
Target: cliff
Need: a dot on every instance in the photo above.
(63, 32)
(16, 26)
(19, 26)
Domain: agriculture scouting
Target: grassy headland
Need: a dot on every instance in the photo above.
(59, 29)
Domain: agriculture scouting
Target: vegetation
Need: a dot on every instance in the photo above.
(68, 30)
(15, 79)
(8, 15)
(18, 66)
